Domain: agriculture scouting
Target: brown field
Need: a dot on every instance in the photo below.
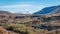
(22, 24)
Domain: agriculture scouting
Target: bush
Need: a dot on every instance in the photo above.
(16, 29)
(11, 28)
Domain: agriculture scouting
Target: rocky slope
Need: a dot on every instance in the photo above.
(49, 10)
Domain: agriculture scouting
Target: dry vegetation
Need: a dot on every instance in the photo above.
(30, 24)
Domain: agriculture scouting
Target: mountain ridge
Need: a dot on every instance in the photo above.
(49, 10)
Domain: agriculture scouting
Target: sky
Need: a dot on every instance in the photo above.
(24, 6)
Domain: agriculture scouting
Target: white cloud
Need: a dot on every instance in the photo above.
(14, 6)
(21, 8)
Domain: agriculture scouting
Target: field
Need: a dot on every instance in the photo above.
(30, 24)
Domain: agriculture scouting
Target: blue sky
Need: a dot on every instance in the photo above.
(21, 6)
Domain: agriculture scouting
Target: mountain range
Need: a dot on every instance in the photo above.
(46, 10)
(49, 10)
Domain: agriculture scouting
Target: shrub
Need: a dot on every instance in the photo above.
(11, 28)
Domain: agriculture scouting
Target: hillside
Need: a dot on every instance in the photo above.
(49, 10)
